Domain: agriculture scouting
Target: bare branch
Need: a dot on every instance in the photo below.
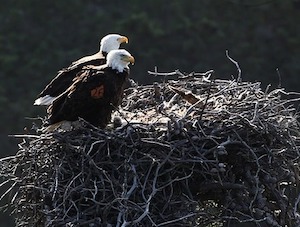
(239, 78)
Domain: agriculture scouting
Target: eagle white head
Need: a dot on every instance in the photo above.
(119, 59)
(112, 42)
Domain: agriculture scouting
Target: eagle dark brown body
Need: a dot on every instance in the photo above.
(66, 76)
(93, 96)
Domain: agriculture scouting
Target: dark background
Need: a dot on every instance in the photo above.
(37, 38)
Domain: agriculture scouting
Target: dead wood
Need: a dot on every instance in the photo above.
(232, 153)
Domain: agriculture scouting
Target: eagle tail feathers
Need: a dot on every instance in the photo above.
(44, 101)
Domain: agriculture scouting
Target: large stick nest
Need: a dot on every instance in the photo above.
(188, 152)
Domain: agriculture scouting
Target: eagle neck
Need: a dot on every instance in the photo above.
(118, 66)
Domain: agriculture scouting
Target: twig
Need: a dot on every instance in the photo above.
(279, 78)
(174, 73)
(239, 78)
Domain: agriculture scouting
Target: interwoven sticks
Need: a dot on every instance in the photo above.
(188, 152)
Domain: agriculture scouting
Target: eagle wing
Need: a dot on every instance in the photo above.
(95, 59)
(66, 77)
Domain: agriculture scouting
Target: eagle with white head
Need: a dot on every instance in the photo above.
(95, 92)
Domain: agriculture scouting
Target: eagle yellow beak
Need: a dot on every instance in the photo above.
(131, 59)
(123, 39)
(128, 58)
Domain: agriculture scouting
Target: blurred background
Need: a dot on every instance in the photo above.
(37, 38)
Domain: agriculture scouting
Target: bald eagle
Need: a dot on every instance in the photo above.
(66, 76)
(94, 94)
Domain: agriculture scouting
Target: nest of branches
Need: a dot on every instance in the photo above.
(187, 152)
